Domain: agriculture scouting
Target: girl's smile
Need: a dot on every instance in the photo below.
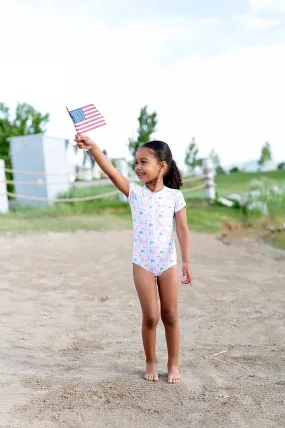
(147, 166)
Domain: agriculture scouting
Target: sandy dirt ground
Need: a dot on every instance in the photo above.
(70, 357)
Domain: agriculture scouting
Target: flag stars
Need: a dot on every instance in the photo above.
(77, 115)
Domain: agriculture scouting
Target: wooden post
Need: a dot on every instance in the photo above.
(210, 191)
(4, 206)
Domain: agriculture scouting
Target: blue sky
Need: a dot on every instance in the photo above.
(213, 70)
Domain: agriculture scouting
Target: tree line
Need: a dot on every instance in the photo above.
(192, 159)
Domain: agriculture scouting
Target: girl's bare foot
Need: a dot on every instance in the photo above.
(150, 372)
(174, 375)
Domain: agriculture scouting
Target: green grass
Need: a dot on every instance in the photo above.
(68, 217)
(239, 182)
(103, 214)
(279, 241)
(209, 218)
(64, 223)
(199, 218)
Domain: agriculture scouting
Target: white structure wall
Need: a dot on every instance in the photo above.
(39, 153)
(56, 166)
(270, 165)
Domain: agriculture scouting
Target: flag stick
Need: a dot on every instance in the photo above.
(87, 153)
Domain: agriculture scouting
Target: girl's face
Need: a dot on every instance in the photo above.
(148, 168)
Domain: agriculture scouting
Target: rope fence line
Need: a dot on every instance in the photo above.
(193, 189)
(33, 183)
(84, 198)
(15, 171)
(207, 183)
(192, 179)
(186, 180)
(39, 182)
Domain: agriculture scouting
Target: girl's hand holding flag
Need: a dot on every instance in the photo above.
(83, 142)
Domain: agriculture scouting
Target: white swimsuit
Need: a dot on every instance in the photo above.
(153, 220)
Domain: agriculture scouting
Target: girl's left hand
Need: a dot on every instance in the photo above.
(187, 274)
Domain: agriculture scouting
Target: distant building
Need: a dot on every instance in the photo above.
(250, 166)
(253, 166)
(270, 165)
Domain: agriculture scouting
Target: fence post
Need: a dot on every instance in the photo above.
(210, 191)
(4, 207)
(122, 166)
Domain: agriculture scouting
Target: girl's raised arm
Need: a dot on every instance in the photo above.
(119, 180)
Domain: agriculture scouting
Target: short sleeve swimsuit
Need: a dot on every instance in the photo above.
(153, 216)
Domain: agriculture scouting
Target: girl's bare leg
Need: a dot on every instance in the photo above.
(146, 288)
(168, 292)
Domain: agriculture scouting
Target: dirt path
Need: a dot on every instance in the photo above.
(68, 359)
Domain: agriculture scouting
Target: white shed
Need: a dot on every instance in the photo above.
(250, 166)
(44, 160)
(269, 165)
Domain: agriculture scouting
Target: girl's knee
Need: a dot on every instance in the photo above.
(151, 320)
(170, 317)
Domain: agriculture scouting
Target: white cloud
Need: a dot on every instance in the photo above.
(270, 5)
(256, 22)
(51, 31)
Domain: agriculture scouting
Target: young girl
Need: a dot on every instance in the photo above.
(154, 207)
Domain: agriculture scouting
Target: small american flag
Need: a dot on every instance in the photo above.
(87, 118)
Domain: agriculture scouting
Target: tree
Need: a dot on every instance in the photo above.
(266, 154)
(234, 169)
(215, 158)
(26, 121)
(220, 170)
(147, 125)
(191, 155)
(281, 165)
